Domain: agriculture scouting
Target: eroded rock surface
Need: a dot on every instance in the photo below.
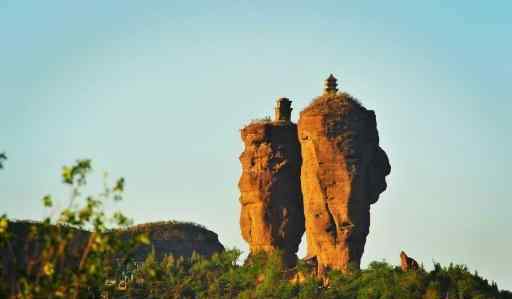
(166, 238)
(408, 263)
(180, 239)
(272, 215)
(343, 173)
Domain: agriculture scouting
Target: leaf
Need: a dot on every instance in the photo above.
(66, 175)
(119, 186)
(3, 157)
(80, 169)
(48, 269)
(47, 201)
(143, 239)
(3, 224)
(121, 219)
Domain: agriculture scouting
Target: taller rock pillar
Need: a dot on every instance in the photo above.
(343, 172)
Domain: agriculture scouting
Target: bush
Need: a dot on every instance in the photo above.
(68, 256)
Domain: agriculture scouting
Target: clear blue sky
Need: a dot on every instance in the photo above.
(156, 91)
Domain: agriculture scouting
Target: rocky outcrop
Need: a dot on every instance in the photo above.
(272, 216)
(408, 263)
(180, 239)
(343, 173)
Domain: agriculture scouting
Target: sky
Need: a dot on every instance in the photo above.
(156, 92)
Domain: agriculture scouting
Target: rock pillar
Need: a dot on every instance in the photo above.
(343, 172)
(272, 215)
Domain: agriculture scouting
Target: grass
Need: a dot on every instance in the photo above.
(339, 103)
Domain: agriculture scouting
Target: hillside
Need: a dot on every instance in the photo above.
(175, 238)
(166, 237)
(266, 277)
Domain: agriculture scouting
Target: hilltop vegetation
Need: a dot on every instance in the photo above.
(339, 103)
(265, 277)
(173, 230)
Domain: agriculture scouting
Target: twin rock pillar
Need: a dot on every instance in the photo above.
(272, 216)
(321, 176)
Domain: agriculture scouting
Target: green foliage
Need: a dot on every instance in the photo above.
(3, 158)
(262, 276)
(59, 257)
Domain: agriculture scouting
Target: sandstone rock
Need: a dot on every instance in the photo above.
(408, 263)
(24, 249)
(343, 172)
(180, 239)
(272, 216)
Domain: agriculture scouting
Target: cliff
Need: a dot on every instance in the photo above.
(343, 172)
(176, 238)
(271, 215)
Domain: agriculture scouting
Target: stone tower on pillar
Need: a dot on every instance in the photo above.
(283, 110)
(331, 85)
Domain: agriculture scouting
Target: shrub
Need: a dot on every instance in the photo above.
(58, 257)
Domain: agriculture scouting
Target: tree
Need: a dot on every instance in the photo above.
(71, 255)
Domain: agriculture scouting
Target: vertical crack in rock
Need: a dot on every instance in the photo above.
(343, 172)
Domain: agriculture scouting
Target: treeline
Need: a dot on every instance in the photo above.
(173, 230)
(265, 277)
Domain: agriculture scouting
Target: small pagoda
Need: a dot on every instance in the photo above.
(283, 110)
(331, 85)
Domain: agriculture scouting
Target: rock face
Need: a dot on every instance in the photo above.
(180, 239)
(167, 238)
(176, 238)
(408, 263)
(272, 214)
(343, 172)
